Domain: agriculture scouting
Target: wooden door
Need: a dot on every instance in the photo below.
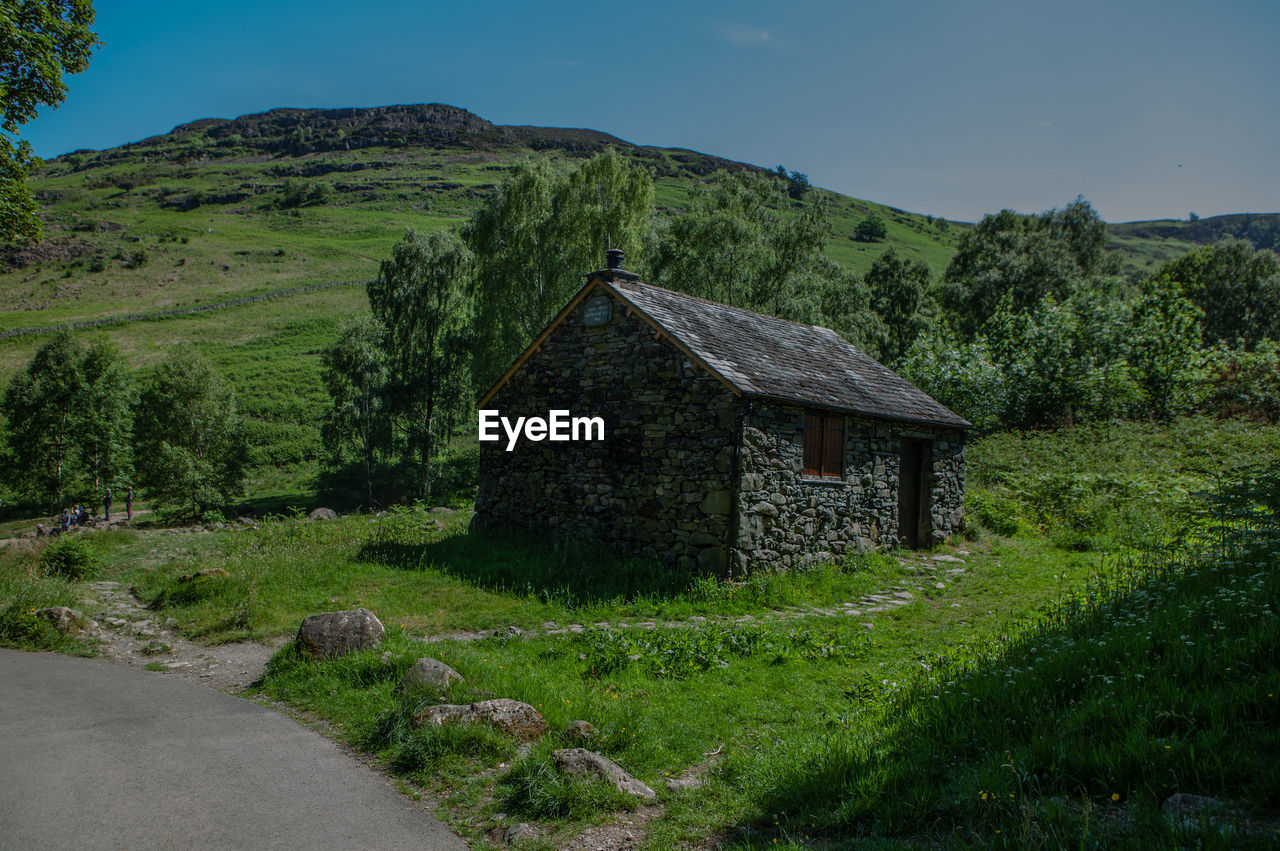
(914, 497)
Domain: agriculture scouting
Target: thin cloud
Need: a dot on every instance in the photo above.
(740, 35)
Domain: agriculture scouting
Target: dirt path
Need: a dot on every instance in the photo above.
(130, 634)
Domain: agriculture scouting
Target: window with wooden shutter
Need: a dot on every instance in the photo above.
(823, 446)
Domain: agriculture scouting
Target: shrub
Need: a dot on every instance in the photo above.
(870, 229)
(69, 557)
(996, 513)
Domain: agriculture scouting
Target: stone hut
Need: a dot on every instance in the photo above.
(732, 441)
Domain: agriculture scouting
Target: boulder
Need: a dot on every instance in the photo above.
(517, 831)
(330, 634)
(510, 716)
(64, 619)
(580, 762)
(429, 673)
(323, 514)
(580, 732)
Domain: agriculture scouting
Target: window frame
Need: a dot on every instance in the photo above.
(823, 447)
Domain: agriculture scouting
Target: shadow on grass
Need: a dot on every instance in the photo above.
(1160, 678)
(568, 570)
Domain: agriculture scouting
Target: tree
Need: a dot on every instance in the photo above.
(1029, 257)
(106, 421)
(68, 422)
(898, 288)
(420, 298)
(739, 243)
(1235, 286)
(534, 239)
(42, 407)
(355, 374)
(1164, 340)
(871, 229)
(190, 447)
(40, 41)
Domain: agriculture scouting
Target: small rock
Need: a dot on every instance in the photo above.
(683, 784)
(949, 559)
(580, 732)
(338, 633)
(323, 514)
(1188, 811)
(580, 762)
(517, 831)
(170, 623)
(440, 509)
(941, 586)
(510, 716)
(64, 619)
(429, 673)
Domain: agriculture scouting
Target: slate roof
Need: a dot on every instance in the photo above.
(773, 358)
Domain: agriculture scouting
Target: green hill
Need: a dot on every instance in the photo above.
(251, 237)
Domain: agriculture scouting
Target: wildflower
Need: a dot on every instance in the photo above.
(1115, 796)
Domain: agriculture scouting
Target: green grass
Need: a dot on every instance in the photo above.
(1017, 677)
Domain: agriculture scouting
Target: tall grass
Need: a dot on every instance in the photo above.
(1162, 676)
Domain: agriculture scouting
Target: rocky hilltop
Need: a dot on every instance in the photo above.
(297, 132)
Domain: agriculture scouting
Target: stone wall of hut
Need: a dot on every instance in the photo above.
(785, 519)
(658, 485)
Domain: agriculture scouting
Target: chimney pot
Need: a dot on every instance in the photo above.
(613, 258)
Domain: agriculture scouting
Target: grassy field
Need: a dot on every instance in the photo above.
(1049, 688)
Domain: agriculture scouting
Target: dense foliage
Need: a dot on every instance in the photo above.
(191, 451)
(69, 420)
(40, 41)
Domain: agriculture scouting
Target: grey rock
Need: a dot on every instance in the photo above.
(683, 784)
(517, 831)
(510, 716)
(323, 514)
(429, 673)
(948, 559)
(332, 634)
(64, 619)
(580, 762)
(440, 509)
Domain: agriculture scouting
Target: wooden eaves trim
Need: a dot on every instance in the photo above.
(597, 281)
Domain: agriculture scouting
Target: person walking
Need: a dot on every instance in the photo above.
(106, 505)
(128, 505)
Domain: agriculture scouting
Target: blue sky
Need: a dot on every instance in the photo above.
(1148, 109)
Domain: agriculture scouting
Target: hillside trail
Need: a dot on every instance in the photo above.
(925, 573)
(128, 633)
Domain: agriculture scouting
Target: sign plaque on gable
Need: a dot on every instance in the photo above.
(598, 312)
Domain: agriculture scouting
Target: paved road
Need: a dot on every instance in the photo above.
(95, 755)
